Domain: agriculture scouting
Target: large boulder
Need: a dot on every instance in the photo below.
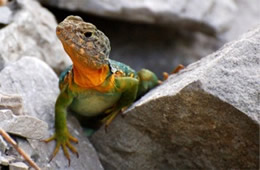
(30, 31)
(247, 17)
(205, 117)
(207, 16)
(161, 48)
(37, 84)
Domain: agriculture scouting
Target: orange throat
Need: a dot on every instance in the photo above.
(84, 76)
(89, 78)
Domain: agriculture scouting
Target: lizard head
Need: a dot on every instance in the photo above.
(85, 44)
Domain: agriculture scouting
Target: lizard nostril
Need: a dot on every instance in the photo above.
(88, 34)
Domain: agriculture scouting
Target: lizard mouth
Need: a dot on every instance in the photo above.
(58, 30)
(97, 61)
(84, 58)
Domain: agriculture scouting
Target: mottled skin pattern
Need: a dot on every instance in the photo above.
(94, 86)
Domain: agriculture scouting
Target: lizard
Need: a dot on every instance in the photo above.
(94, 86)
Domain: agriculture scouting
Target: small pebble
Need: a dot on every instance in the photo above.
(4, 161)
(18, 166)
(10, 158)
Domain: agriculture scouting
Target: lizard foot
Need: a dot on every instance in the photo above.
(63, 141)
(110, 111)
(123, 110)
(176, 70)
(107, 120)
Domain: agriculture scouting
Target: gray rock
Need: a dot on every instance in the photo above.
(207, 16)
(32, 32)
(10, 158)
(36, 82)
(3, 145)
(5, 15)
(2, 63)
(247, 17)
(12, 102)
(6, 160)
(156, 48)
(163, 48)
(205, 117)
(18, 166)
(25, 126)
(3, 161)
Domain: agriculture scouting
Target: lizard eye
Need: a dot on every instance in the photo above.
(88, 34)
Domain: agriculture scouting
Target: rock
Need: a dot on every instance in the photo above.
(2, 63)
(39, 90)
(247, 17)
(162, 48)
(35, 87)
(25, 126)
(18, 166)
(12, 102)
(205, 117)
(5, 15)
(156, 48)
(4, 161)
(32, 32)
(3, 145)
(206, 16)
(10, 158)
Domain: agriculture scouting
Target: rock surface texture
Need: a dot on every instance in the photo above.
(18, 166)
(39, 90)
(5, 13)
(25, 126)
(205, 117)
(13, 102)
(6, 160)
(162, 48)
(203, 15)
(3, 145)
(247, 17)
(31, 32)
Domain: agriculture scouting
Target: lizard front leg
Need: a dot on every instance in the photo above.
(62, 135)
(147, 81)
(128, 88)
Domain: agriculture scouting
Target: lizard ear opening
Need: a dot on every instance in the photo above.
(88, 34)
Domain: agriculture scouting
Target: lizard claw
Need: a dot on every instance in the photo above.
(176, 70)
(107, 120)
(123, 115)
(63, 141)
(123, 110)
(165, 75)
(106, 126)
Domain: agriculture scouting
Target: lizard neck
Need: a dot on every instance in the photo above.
(83, 75)
(89, 78)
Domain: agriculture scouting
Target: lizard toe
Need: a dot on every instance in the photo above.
(72, 149)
